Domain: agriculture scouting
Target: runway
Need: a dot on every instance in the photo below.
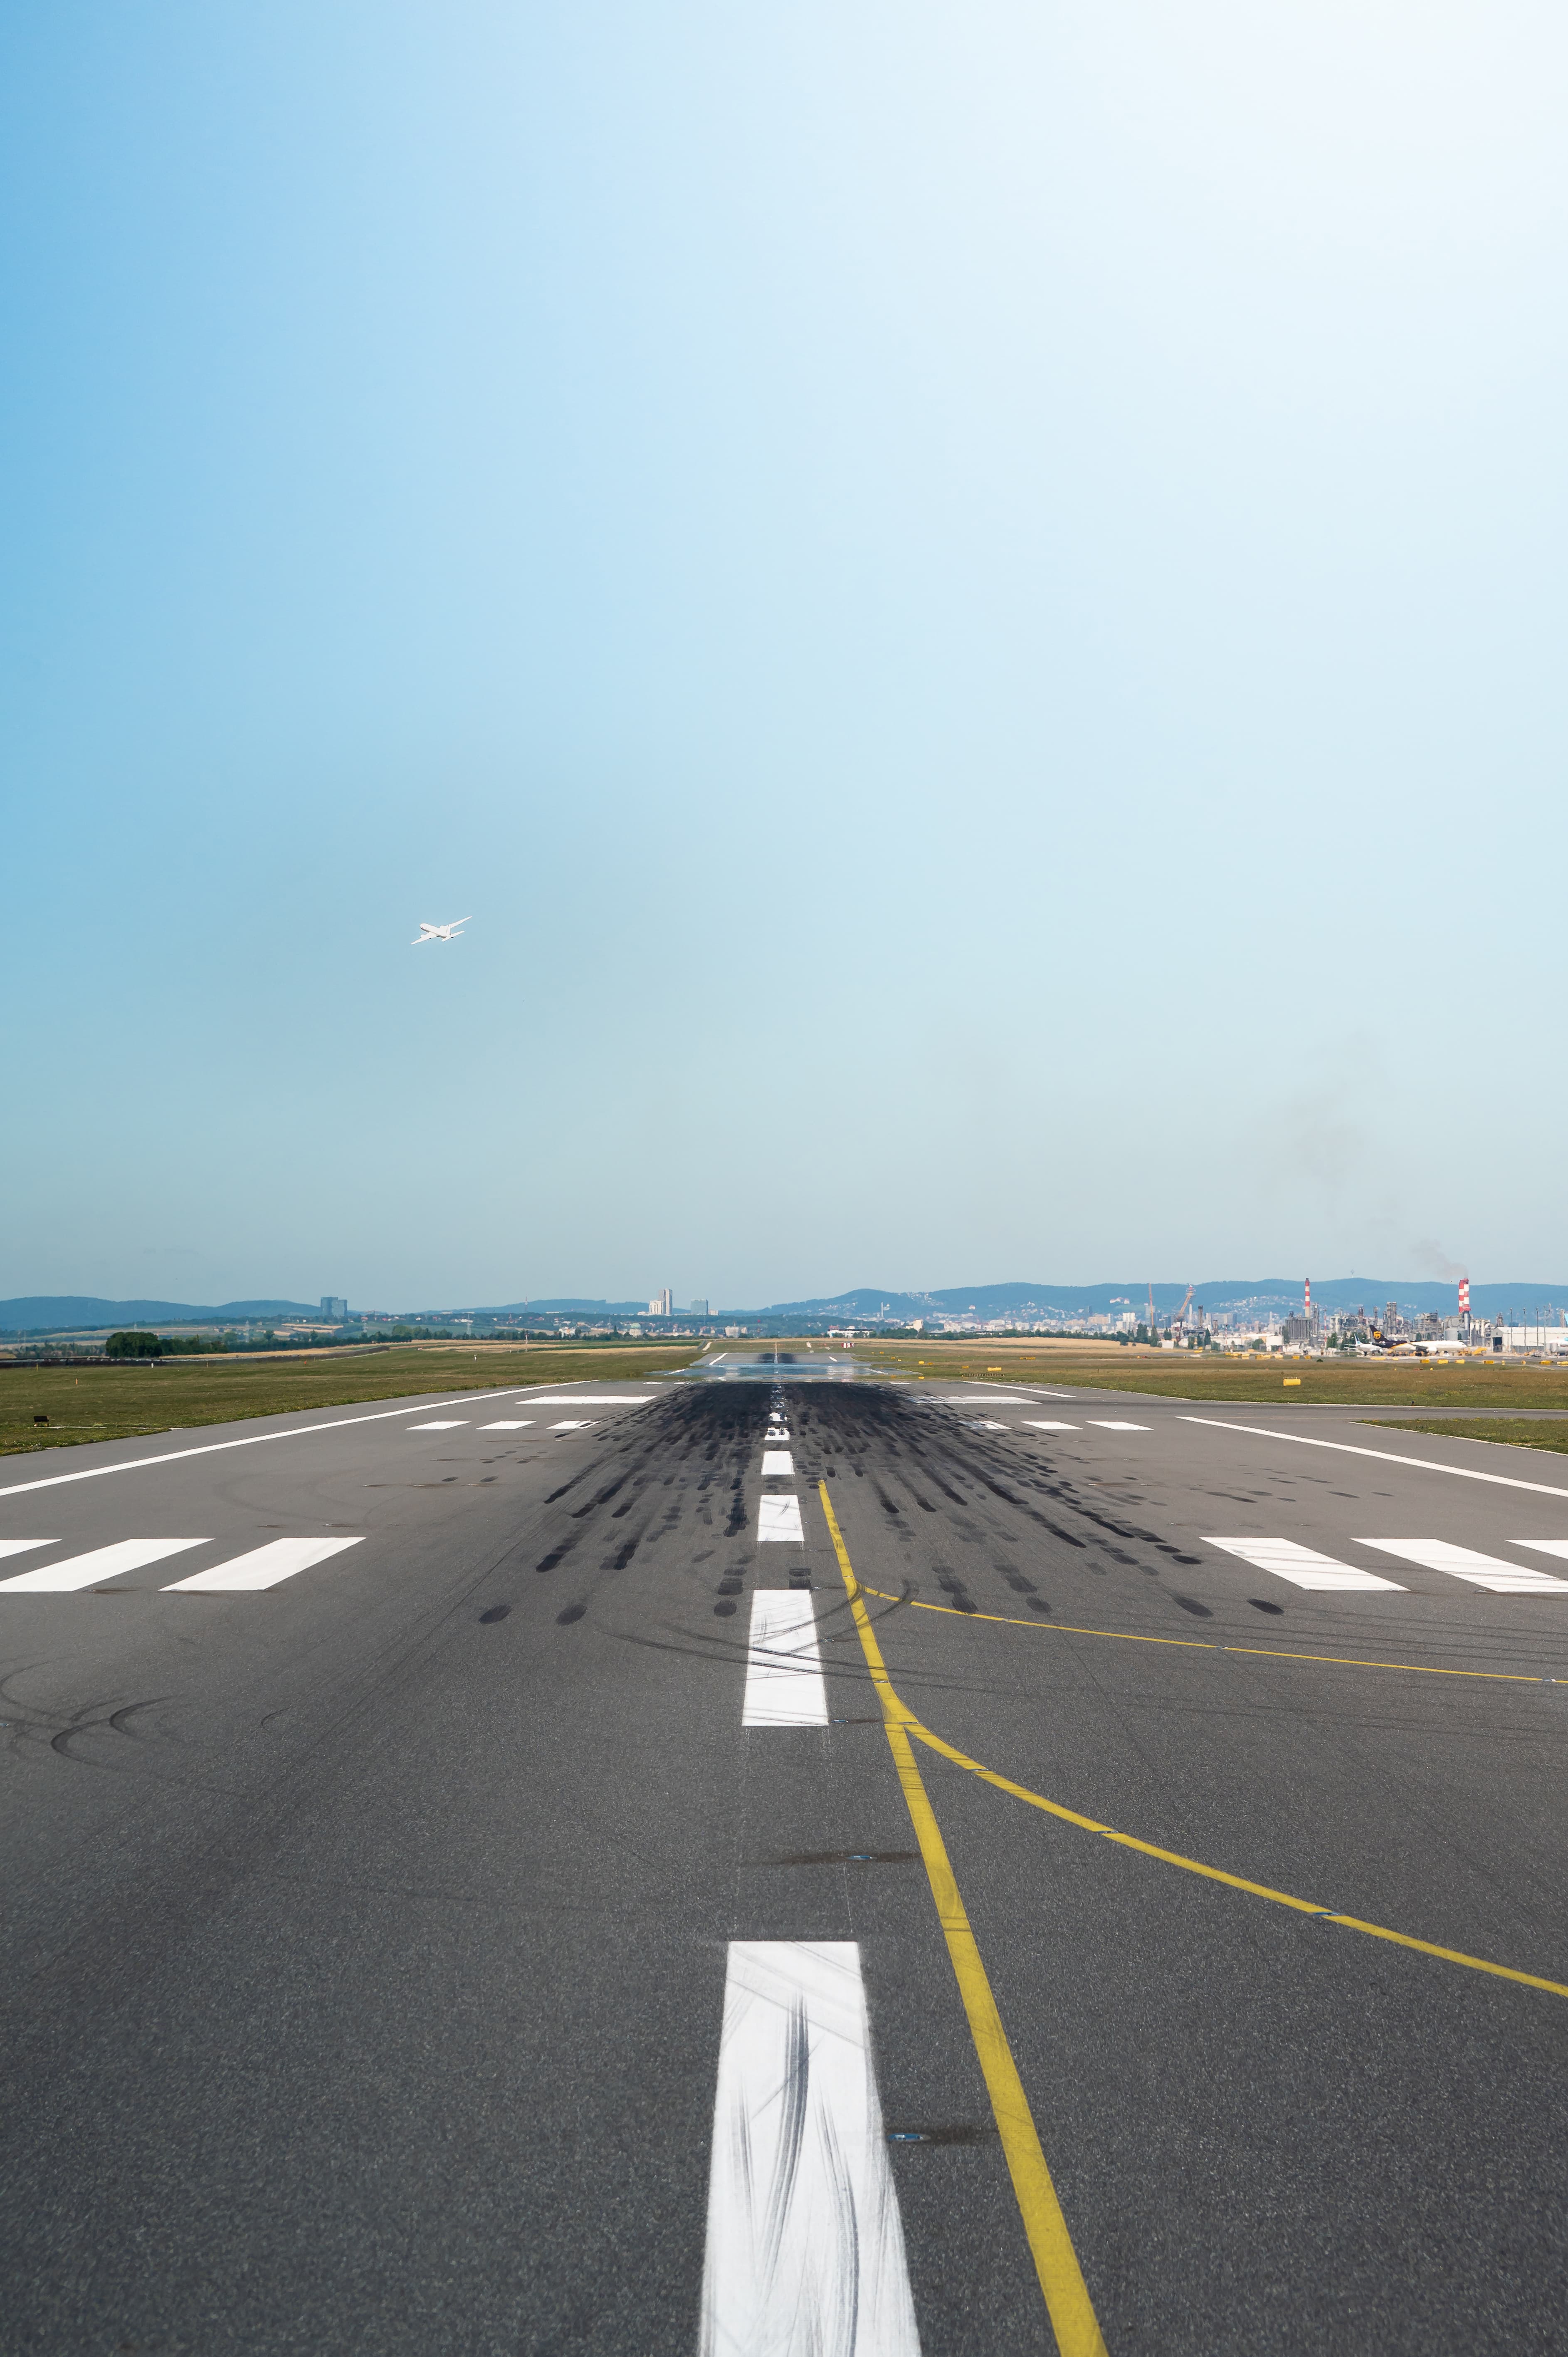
(781, 1862)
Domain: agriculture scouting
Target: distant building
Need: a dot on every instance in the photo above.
(661, 1305)
(333, 1305)
(698, 1308)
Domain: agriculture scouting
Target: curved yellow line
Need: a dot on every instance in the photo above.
(898, 1715)
(1207, 1645)
(1068, 2303)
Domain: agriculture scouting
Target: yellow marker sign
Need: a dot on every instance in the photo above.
(1291, 1379)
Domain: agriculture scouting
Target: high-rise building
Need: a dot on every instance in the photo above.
(698, 1310)
(333, 1305)
(661, 1305)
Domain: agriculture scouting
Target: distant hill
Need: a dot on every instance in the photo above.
(1036, 1303)
(51, 1312)
(1043, 1301)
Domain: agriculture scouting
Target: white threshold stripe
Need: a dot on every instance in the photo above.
(1383, 1456)
(1493, 1571)
(778, 1460)
(1302, 1566)
(521, 1425)
(20, 1546)
(212, 1447)
(1544, 1546)
(779, 1518)
(86, 1570)
(585, 1399)
(263, 1567)
(1107, 1424)
(1041, 1424)
(805, 2246)
(443, 1423)
(783, 1667)
(574, 1423)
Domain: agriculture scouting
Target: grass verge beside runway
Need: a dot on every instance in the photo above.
(1199, 1376)
(115, 1403)
(1513, 1432)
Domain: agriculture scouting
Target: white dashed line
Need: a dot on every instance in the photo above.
(443, 1424)
(1107, 1424)
(778, 1462)
(784, 1669)
(779, 1518)
(519, 1427)
(1039, 1423)
(805, 2248)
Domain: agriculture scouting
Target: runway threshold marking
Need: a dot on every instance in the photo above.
(901, 1718)
(1067, 2298)
(805, 2245)
(86, 1570)
(1303, 1566)
(1383, 1456)
(1493, 1571)
(263, 1567)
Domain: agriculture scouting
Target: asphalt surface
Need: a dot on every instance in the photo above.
(365, 1937)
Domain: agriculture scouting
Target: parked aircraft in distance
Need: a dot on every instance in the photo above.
(452, 932)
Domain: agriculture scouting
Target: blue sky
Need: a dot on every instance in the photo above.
(970, 597)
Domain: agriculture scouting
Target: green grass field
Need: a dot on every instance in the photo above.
(111, 1402)
(1200, 1376)
(1514, 1431)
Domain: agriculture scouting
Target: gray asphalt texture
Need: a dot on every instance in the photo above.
(363, 1941)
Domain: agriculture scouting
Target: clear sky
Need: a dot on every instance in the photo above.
(970, 595)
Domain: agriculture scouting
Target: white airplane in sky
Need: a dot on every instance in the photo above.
(452, 932)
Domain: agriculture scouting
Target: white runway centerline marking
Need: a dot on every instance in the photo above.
(1302, 1566)
(805, 2249)
(777, 1460)
(784, 1669)
(521, 1425)
(86, 1570)
(1109, 1423)
(779, 1518)
(1041, 1424)
(1491, 1571)
(443, 1423)
(263, 1567)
